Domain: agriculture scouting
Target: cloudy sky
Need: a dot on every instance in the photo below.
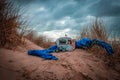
(56, 18)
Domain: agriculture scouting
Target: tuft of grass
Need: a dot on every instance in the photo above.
(40, 40)
(9, 23)
(97, 30)
(116, 46)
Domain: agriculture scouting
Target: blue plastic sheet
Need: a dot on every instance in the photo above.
(83, 43)
(44, 53)
(105, 45)
(87, 43)
(52, 48)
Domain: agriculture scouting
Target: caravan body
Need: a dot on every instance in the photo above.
(64, 44)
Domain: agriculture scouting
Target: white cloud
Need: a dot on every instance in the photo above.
(54, 34)
(60, 22)
(66, 21)
(90, 17)
(41, 9)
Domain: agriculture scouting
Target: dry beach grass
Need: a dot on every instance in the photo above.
(97, 30)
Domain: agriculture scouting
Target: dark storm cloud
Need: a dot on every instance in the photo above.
(106, 8)
(24, 1)
(70, 7)
(72, 14)
(28, 1)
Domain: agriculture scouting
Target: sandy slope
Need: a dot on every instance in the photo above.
(76, 65)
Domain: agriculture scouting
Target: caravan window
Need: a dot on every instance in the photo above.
(62, 41)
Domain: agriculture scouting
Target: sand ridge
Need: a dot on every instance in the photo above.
(75, 65)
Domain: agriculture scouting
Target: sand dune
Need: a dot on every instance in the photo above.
(76, 65)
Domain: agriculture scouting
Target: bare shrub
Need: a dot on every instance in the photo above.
(40, 40)
(85, 33)
(9, 23)
(30, 35)
(116, 46)
(97, 30)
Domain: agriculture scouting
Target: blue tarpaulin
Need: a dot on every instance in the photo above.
(44, 53)
(83, 43)
(105, 45)
(87, 43)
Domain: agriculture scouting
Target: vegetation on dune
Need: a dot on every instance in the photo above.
(39, 40)
(97, 30)
(13, 28)
(9, 23)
